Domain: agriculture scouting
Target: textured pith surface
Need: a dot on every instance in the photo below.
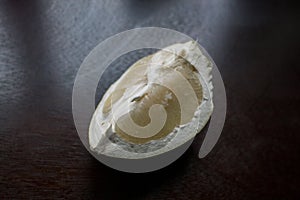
(138, 90)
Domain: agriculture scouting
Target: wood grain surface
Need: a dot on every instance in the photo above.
(254, 43)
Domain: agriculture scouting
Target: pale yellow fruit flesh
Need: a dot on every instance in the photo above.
(154, 94)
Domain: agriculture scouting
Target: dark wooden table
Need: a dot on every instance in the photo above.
(256, 47)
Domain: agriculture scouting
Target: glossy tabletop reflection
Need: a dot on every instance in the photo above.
(255, 45)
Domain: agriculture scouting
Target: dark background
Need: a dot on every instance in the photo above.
(254, 43)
